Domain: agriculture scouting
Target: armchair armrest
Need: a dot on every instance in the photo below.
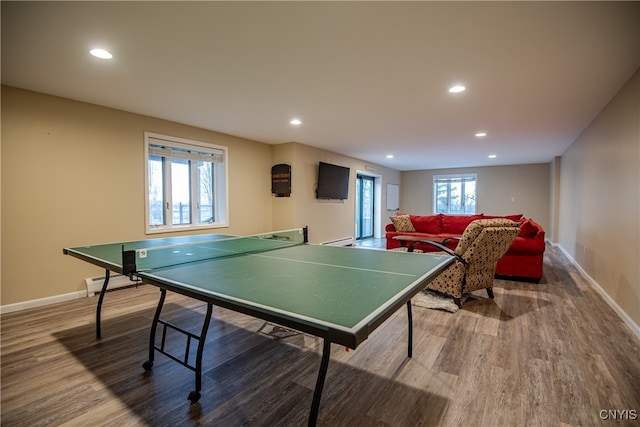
(444, 241)
(440, 246)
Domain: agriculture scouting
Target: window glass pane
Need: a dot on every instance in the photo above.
(442, 197)
(367, 207)
(365, 194)
(205, 192)
(180, 184)
(470, 197)
(156, 192)
(455, 196)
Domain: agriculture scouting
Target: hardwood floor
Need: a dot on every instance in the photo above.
(548, 354)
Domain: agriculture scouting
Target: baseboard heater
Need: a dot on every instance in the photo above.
(94, 284)
(347, 241)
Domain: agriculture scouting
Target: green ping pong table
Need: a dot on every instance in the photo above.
(339, 294)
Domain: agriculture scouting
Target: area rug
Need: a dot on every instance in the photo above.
(436, 301)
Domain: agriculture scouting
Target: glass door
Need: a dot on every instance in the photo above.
(364, 206)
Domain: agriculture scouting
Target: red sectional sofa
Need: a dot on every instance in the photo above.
(523, 260)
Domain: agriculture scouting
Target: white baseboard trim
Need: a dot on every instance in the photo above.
(635, 328)
(19, 306)
(116, 281)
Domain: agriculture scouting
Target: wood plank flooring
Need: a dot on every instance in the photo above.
(548, 354)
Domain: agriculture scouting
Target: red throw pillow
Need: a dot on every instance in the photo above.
(430, 224)
(456, 224)
(527, 229)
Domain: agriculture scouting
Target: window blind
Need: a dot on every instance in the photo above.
(445, 180)
(185, 152)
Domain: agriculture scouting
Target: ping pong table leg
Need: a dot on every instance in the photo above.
(410, 340)
(322, 373)
(152, 334)
(107, 275)
(194, 396)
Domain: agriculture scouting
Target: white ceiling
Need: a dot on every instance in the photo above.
(366, 78)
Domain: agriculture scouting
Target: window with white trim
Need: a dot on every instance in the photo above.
(454, 194)
(185, 184)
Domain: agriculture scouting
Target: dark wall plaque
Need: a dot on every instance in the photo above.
(281, 180)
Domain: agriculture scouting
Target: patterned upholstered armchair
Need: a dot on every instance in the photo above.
(480, 247)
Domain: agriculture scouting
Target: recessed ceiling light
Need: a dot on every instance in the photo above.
(389, 156)
(101, 53)
(492, 156)
(296, 122)
(481, 134)
(457, 89)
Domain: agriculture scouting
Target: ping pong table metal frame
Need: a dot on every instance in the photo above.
(329, 336)
(108, 268)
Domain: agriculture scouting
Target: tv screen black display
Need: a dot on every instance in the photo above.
(333, 182)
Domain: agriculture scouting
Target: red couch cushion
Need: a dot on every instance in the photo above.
(456, 224)
(527, 229)
(526, 245)
(430, 224)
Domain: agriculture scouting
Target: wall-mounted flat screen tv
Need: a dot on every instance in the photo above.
(333, 182)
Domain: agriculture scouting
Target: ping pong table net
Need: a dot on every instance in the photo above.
(152, 258)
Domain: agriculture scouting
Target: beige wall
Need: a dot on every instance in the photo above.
(72, 174)
(599, 223)
(328, 220)
(501, 190)
(554, 208)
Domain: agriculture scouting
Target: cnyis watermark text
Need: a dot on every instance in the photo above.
(618, 414)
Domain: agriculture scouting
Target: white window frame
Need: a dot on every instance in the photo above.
(461, 176)
(220, 190)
